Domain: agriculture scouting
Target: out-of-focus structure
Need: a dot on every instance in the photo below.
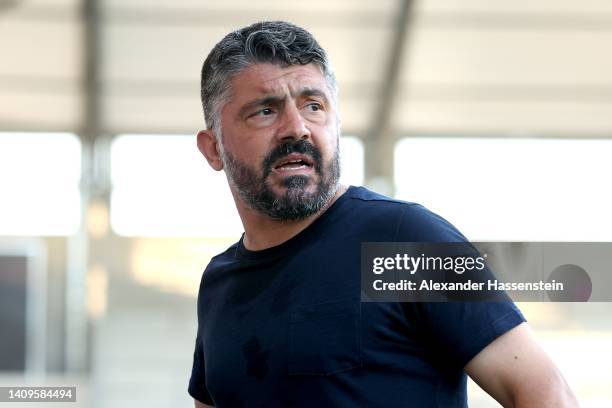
(496, 114)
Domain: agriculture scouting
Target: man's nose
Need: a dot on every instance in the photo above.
(293, 125)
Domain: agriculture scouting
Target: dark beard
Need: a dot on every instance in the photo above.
(295, 203)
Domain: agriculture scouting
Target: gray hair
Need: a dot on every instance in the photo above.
(275, 42)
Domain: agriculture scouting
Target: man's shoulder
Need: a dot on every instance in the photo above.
(373, 200)
(368, 200)
(411, 220)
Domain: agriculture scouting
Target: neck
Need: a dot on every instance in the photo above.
(261, 231)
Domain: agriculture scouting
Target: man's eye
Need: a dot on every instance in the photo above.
(314, 107)
(262, 112)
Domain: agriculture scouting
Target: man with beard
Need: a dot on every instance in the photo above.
(280, 322)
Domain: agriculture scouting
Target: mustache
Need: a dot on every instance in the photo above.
(285, 149)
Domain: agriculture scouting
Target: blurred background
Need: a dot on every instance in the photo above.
(495, 114)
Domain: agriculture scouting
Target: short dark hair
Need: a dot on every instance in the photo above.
(276, 42)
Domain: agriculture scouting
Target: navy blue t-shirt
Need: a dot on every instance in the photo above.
(285, 327)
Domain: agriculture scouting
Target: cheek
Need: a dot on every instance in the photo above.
(250, 150)
(329, 146)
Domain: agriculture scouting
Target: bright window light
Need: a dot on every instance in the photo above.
(511, 189)
(39, 181)
(351, 161)
(163, 186)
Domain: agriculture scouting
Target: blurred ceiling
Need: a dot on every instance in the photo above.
(461, 67)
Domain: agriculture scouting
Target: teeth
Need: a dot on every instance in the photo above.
(292, 162)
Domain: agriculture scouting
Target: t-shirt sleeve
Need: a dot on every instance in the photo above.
(197, 382)
(460, 329)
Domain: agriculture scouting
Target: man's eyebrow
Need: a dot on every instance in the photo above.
(274, 100)
(307, 92)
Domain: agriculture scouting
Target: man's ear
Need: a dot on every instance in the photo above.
(208, 146)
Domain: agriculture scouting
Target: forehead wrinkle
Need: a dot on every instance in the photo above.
(297, 84)
(280, 92)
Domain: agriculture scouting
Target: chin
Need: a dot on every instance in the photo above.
(306, 184)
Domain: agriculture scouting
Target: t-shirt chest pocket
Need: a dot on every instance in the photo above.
(325, 338)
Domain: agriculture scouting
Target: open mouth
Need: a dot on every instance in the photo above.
(294, 162)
